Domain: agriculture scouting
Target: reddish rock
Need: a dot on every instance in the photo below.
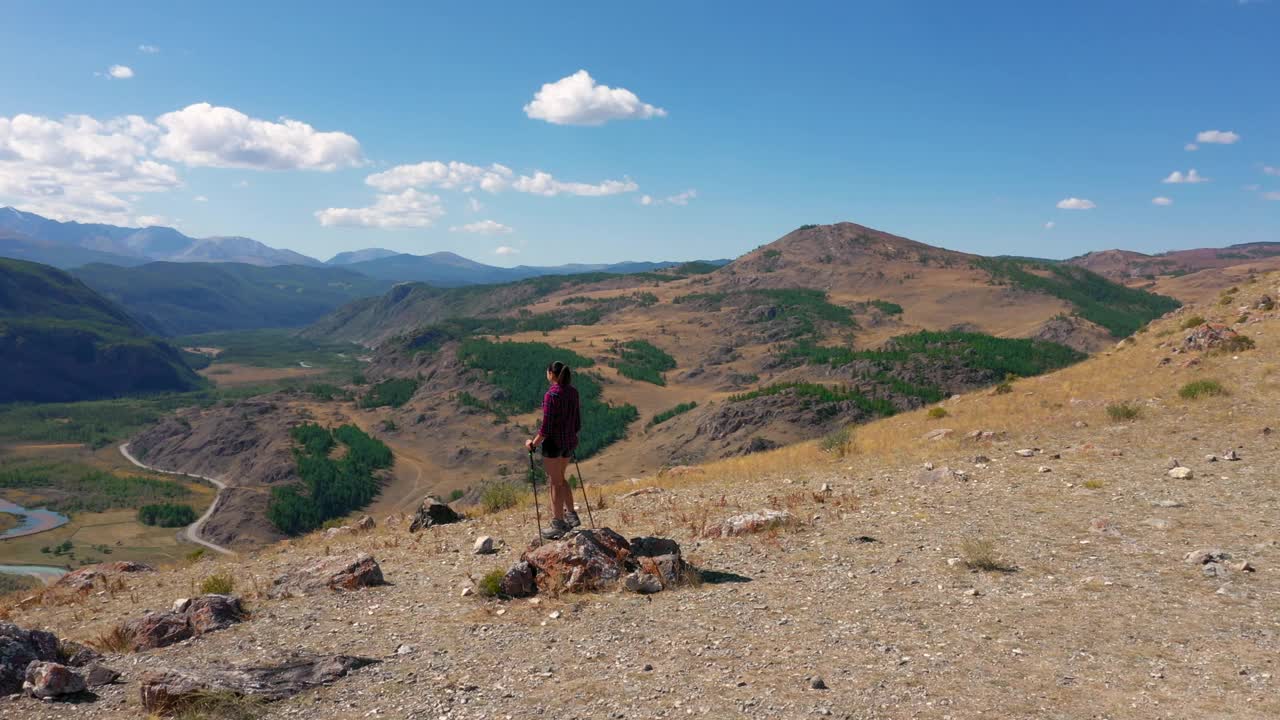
(18, 649)
(49, 680)
(213, 612)
(172, 691)
(336, 573)
(583, 560)
(518, 582)
(157, 630)
(365, 524)
(98, 675)
(86, 577)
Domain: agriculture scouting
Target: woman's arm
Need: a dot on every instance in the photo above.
(548, 406)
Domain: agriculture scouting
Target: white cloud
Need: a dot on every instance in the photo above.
(505, 250)
(80, 168)
(410, 208)
(579, 100)
(474, 205)
(1271, 195)
(200, 198)
(1074, 203)
(449, 176)
(1191, 147)
(677, 199)
(1254, 187)
(1269, 170)
(483, 227)
(1217, 137)
(1163, 201)
(204, 135)
(544, 184)
(241, 184)
(148, 49)
(1177, 177)
(120, 72)
(1049, 225)
(151, 221)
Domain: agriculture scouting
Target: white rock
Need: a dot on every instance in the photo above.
(467, 592)
(180, 605)
(1044, 469)
(483, 545)
(555, 615)
(1181, 473)
(1025, 452)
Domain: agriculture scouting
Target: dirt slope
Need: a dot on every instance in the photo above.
(1095, 614)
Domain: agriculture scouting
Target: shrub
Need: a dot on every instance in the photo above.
(837, 442)
(491, 584)
(1004, 388)
(937, 413)
(499, 496)
(981, 555)
(666, 415)
(1193, 321)
(166, 515)
(456, 495)
(394, 393)
(196, 555)
(1238, 343)
(1201, 388)
(886, 307)
(1093, 484)
(1122, 411)
(221, 584)
(116, 640)
(218, 705)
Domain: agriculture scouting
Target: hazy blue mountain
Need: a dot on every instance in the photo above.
(355, 256)
(189, 298)
(144, 244)
(20, 247)
(446, 269)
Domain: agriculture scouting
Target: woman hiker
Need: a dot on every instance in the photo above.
(558, 436)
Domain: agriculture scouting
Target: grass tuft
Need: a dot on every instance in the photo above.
(491, 584)
(116, 640)
(1123, 411)
(1201, 388)
(221, 584)
(499, 496)
(980, 554)
(837, 442)
(1193, 321)
(937, 413)
(219, 705)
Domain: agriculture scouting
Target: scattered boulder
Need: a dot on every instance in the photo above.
(18, 649)
(74, 654)
(189, 618)
(1208, 336)
(433, 512)
(1231, 456)
(659, 557)
(643, 583)
(365, 524)
(1181, 473)
(214, 612)
(157, 630)
(84, 579)
(483, 545)
(938, 434)
(97, 675)
(1205, 556)
(749, 523)
(332, 573)
(172, 691)
(518, 582)
(1025, 452)
(50, 681)
(1044, 469)
(334, 532)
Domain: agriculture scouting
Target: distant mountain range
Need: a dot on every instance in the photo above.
(60, 341)
(446, 269)
(1126, 264)
(28, 236)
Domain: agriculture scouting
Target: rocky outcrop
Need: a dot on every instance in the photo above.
(18, 649)
(187, 620)
(1208, 337)
(172, 691)
(84, 579)
(348, 572)
(595, 560)
(432, 512)
(50, 680)
(749, 523)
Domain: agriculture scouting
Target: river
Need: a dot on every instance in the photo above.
(33, 521)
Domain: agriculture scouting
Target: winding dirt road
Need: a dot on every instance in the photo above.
(192, 531)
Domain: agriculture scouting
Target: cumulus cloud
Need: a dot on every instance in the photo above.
(1049, 225)
(1270, 170)
(1271, 195)
(449, 176)
(1163, 201)
(151, 221)
(204, 135)
(200, 198)
(120, 72)
(148, 49)
(505, 250)
(411, 208)
(1074, 203)
(483, 227)
(1191, 147)
(1177, 177)
(79, 167)
(579, 100)
(1217, 137)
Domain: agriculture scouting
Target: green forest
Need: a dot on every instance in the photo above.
(644, 361)
(331, 487)
(166, 515)
(70, 488)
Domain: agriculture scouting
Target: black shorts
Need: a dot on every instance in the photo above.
(552, 450)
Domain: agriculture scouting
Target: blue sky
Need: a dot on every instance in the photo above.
(963, 125)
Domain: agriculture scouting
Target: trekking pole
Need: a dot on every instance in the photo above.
(583, 484)
(537, 510)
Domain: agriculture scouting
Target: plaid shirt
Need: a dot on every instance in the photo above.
(561, 417)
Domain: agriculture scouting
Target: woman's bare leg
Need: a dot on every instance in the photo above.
(566, 492)
(549, 464)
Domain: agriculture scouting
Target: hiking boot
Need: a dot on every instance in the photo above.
(557, 530)
(571, 519)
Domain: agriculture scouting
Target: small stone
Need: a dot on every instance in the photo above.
(554, 615)
(972, 592)
(1231, 455)
(483, 545)
(1044, 469)
(826, 488)
(467, 592)
(647, 667)
(181, 604)
(1079, 424)
(954, 562)
(365, 524)
(1025, 452)
(981, 460)
(1213, 569)
(1211, 458)
(1244, 566)
(1181, 473)
(1204, 556)
(1166, 503)
(928, 466)
(98, 675)
(643, 583)
(817, 683)
(404, 650)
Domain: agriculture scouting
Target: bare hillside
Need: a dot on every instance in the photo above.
(1101, 541)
